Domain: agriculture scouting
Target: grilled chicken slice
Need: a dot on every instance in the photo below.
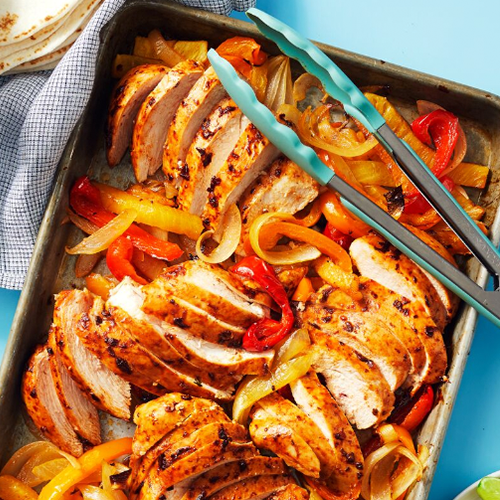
(193, 110)
(268, 432)
(254, 488)
(252, 153)
(208, 152)
(342, 470)
(122, 354)
(409, 320)
(80, 412)
(449, 299)
(155, 115)
(285, 188)
(226, 475)
(106, 390)
(198, 418)
(376, 259)
(290, 492)
(212, 358)
(366, 334)
(128, 95)
(43, 404)
(355, 382)
(207, 289)
(199, 461)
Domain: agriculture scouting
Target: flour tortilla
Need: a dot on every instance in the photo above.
(76, 19)
(20, 19)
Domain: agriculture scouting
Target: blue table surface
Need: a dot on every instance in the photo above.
(457, 40)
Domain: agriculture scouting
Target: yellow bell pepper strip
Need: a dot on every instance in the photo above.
(85, 200)
(338, 277)
(99, 285)
(90, 462)
(12, 488)
(303, 291)
(470, 175)
(149, 212)
(372, 172)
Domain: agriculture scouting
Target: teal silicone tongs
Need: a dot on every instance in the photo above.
(340, 87)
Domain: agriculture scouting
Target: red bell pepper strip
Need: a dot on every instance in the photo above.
(411, 415)
(85, 200)
(342, 239)
(440, 128)
(118, 260)
(266, 332)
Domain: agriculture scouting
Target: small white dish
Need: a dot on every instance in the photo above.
(470, 492)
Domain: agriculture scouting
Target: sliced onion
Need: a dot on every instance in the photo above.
(90, 492)
(230, 227)
(253, 389)
(302, 253)
(279, 88)
(21, 456)
(303, 83)
(85, 263)
(48, 470)
(103, 237)
(425, 107)
(112, 492)
(289, 115)
(296, 343)
(81, 223)
(389, 472)
(163, 51)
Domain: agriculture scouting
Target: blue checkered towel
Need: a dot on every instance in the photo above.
(37, 114)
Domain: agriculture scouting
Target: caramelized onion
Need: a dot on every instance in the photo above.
(279, 88)
(303, 83)
(231, 234)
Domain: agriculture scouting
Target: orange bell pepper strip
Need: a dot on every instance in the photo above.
(12, 488)
(303, 290)
(119, 260)
(99, 285)
(413, 414)
(90, 462)
(244, 47)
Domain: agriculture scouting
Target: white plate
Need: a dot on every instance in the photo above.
(470, 492)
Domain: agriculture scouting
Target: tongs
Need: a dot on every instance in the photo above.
(338, 85)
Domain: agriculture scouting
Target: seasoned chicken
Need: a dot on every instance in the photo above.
(355, 382)
(252, 153)
(368, 335)
(254, 488)
(43, 404)
(341, 472)
(449, 299)
(155, 115)
(290, 492)
(122, 354)
(279, 426)
(376, 259)
(208, 289)
(284, 188)
(80, 412)
(207, 356)
(128, 95)
(214, 480)
(208, 151)
(193, 110)
(106, 390)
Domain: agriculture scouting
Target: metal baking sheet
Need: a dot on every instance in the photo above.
(52, 270)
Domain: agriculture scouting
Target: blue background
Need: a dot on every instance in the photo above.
(459, 41)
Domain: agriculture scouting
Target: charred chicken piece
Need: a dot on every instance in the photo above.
(155, 115)
(128, 95)
(254, 488)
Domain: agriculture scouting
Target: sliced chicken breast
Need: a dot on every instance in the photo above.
(343, 469)
(290, 492)
(80, 412)
(369, 336)
(43, 404)
(376, 259)
(128, 359)
(254, 488)
(252, 154)
(106, 390)
(214, 480)
(128, 95)
(205, 289)
(408, 318)
(449, 299)
(285, 188)
(209, 150)
(355, 382)
(193, 110)
(205, 458)
(155, 115)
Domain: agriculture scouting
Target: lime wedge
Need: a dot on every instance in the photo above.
(489, 488)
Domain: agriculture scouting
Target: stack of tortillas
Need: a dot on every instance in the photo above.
(35, 34)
